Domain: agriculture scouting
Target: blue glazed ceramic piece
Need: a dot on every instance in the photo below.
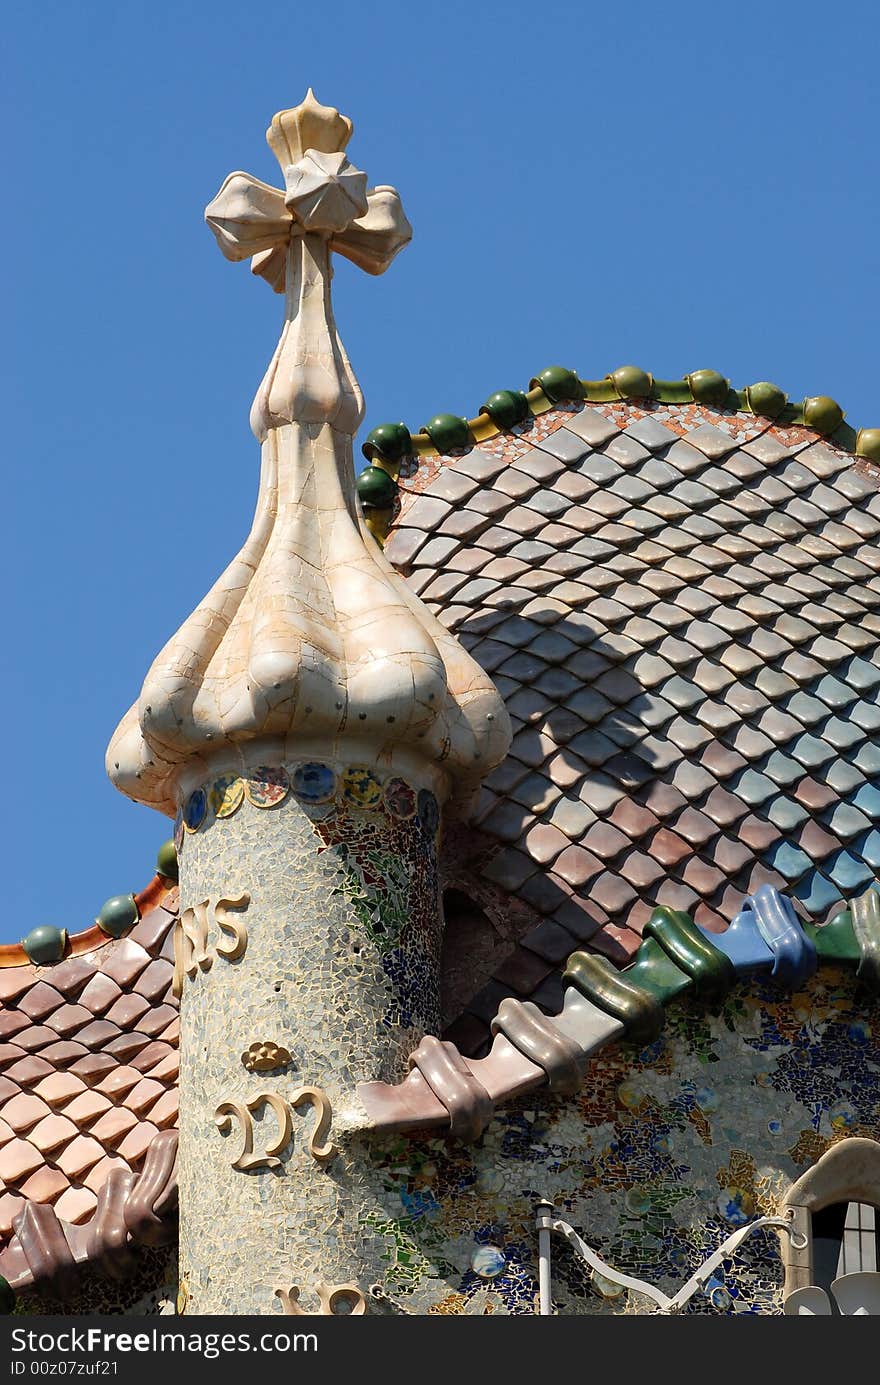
(867, 800)
(732, 1203)
(314, 783)
(845, 821)
(793, 953)
(707, 1100)
(842, 1114)
(869, 849)
(743, 944)
(488, 1262)
(789, 860)
(849, 872)
(786, 814)
(718, 1294)
(194, 810)
(637, 1201)
(816, 893)
(868, 759)
(782, 769)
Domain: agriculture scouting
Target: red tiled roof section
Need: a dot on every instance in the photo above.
(88, 1078)
(681, 608)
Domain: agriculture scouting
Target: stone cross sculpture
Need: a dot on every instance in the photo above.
(304, 725)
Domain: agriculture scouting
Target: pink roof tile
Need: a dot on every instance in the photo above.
(52, 1132)
(86, 1108)
(68, 1018)
(97, 1177)
(76, 1205)
(155, 979)
(79, 1155)
(167, 1068)
(137, 1142)
(142, 1096)
(40, 1000)
(126, 961)
(23, 1111)
(37, 1037)
(164, 1113)
(100, 993)
(44, 1185)
(120, 1080)
(114, 1125)
(18, 1158)
(128, 1011)
(10, 1206)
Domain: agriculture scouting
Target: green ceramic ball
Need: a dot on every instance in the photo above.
(506, 408)
(708, 387)
(631, 383)
(376, 487)
(118, 914)
(45, 944)
(390, 441)
(166, 861)
(868, 444)
(558, 384)
(766, 400)
(822, 414)
(448, 431)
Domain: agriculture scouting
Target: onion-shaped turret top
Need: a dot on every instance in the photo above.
(309, 643)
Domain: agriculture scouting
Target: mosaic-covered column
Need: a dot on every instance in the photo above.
(304, 726)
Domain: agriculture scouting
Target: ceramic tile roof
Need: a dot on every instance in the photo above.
(88, 1074)
(681, 607)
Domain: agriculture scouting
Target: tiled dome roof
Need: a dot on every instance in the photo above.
(679, 604)
(88, 1096)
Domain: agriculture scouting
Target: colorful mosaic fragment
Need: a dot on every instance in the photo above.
(266, 787)
(226, 795)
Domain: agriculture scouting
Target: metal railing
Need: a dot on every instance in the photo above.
(548, 1223)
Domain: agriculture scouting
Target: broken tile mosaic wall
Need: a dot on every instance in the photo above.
(341, 968)
(151, 1290)
(659, 1157)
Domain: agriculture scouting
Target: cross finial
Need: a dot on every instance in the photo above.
(325, 201)
(307, 126)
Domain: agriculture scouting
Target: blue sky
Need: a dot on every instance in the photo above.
(589, 185)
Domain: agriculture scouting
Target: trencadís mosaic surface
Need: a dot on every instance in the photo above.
(662, 1153)
(380, 832)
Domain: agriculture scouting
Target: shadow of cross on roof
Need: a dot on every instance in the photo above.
(682, 591)
(620, 791)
